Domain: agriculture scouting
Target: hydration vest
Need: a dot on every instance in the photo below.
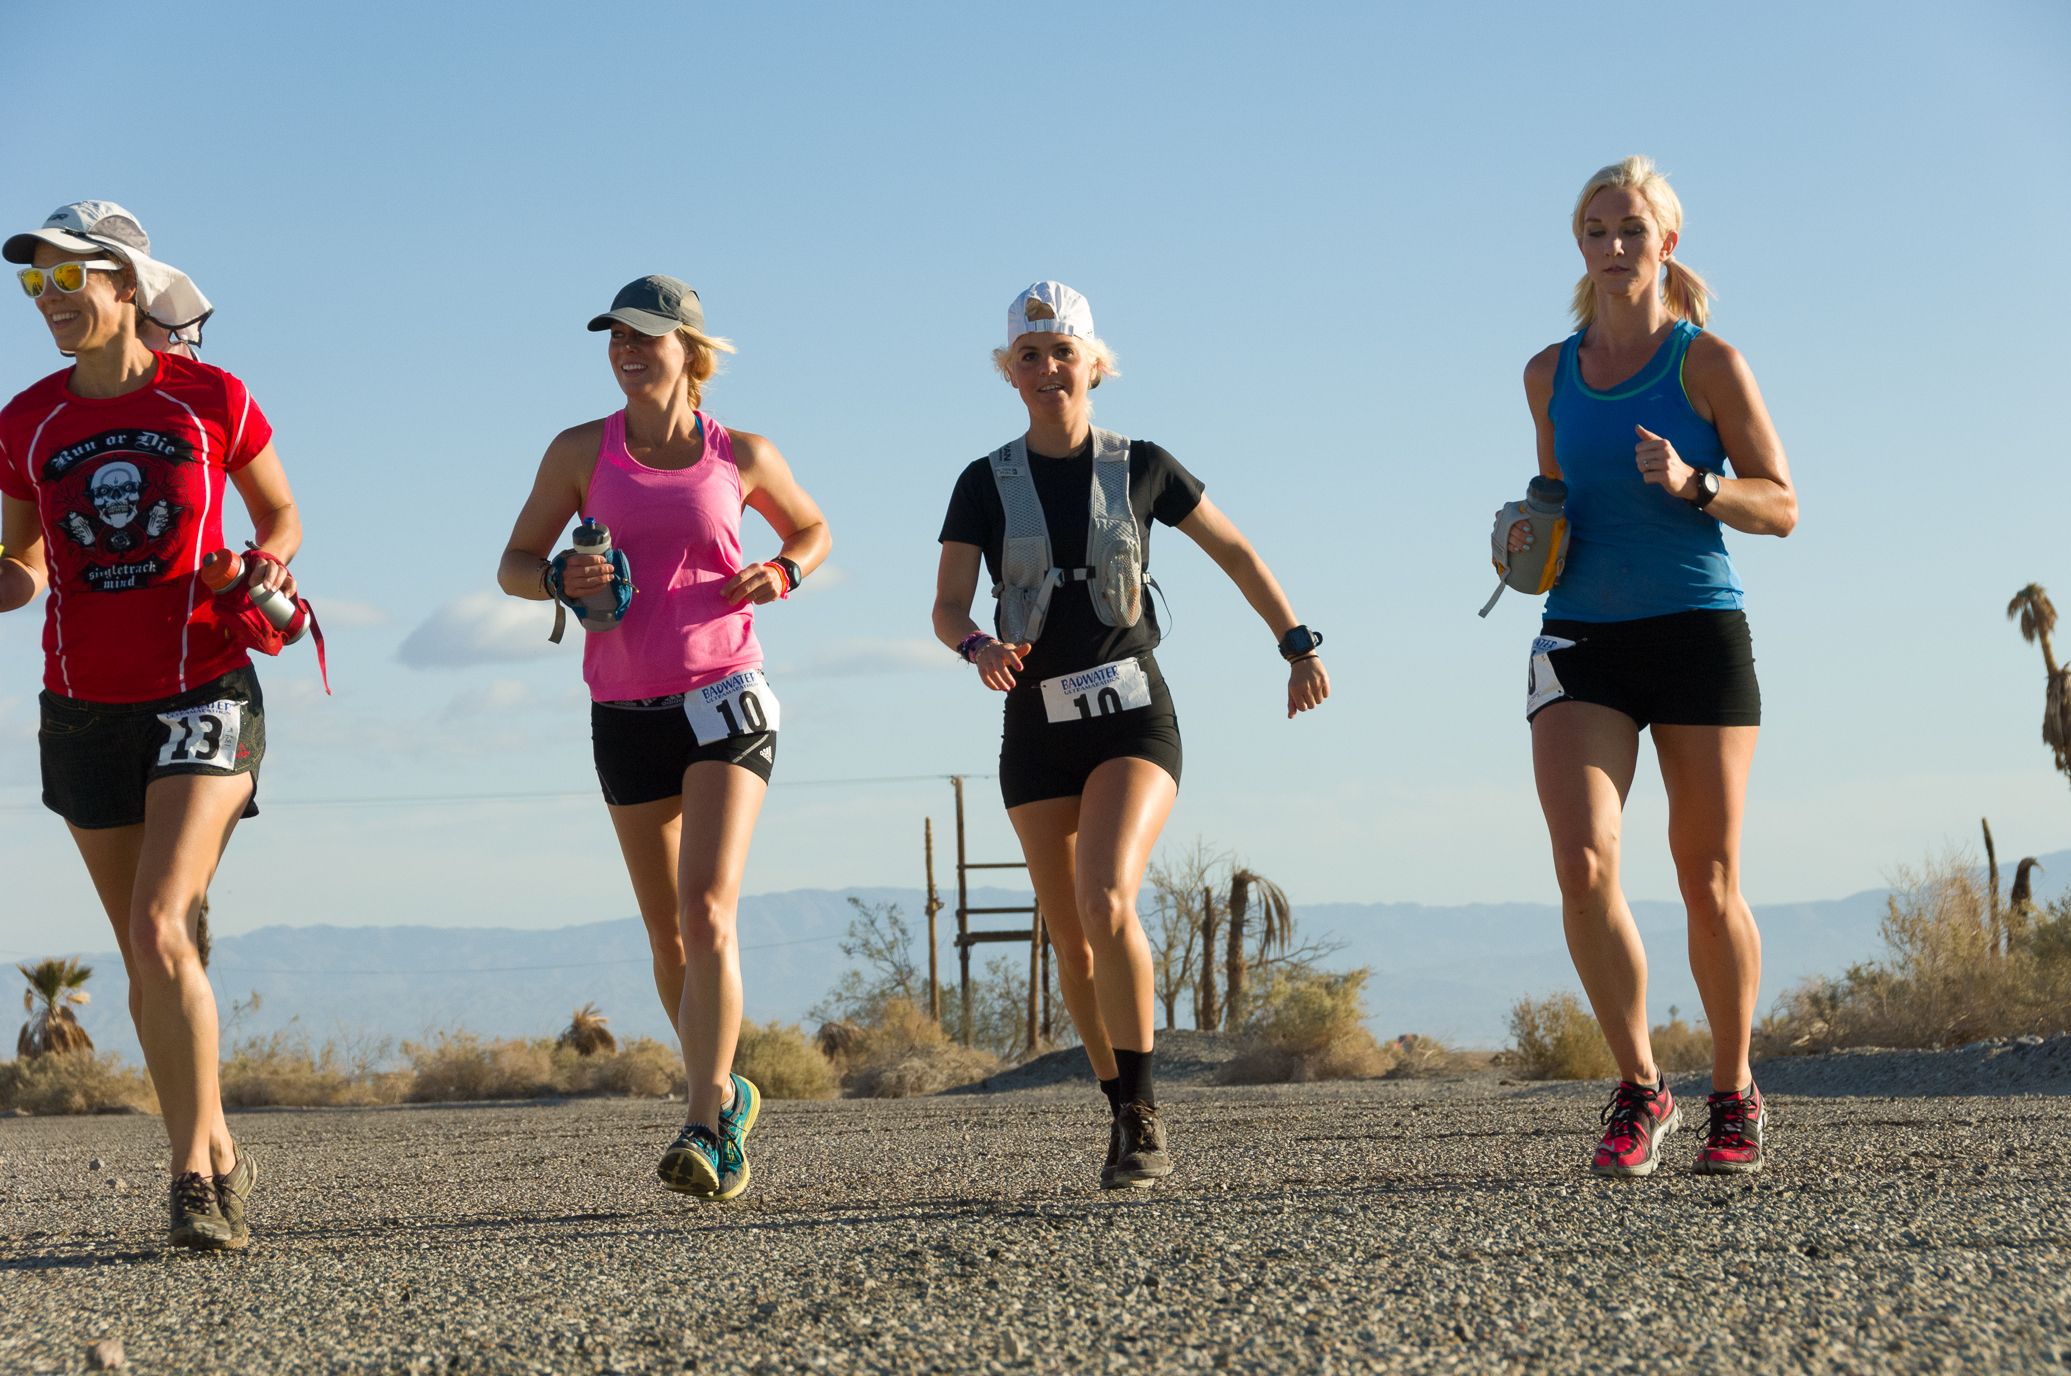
(1114, 544)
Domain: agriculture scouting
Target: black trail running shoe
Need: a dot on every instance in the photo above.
(234, 1192)
(1114, 1154)
(198, 1220)
(1140, 1149)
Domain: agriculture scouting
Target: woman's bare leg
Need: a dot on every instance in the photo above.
(720, 805)
(1705, 769)
(188, 819)
(650, 838)
(1583, 756)
(1049, 842)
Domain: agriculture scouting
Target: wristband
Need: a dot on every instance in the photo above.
(971, 644)
(792, 573)
(783, 576)
(1299, 643)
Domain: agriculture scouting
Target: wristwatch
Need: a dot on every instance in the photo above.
(1707, 488)
(791, 572)
(1299, 643)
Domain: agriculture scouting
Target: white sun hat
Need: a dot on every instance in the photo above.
(164, 293)
(1049, 308)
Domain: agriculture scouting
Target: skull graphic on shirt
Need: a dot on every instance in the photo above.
(119, 502)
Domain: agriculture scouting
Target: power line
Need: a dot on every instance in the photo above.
(405, 800)
(485, 969)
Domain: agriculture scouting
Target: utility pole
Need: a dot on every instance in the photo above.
(963, 906)
(934, 906)
(966, 938)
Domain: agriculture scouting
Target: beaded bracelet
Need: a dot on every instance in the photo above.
(971, 644)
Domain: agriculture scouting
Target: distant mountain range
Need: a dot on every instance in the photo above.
(1450, 972)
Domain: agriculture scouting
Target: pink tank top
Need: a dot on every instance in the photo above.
(681, 531)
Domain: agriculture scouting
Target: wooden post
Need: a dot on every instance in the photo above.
(934, 906)
(963, 907)
(1035, 975)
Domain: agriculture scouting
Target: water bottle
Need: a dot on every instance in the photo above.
(222, 570)
(594, 537)
(1536, 567)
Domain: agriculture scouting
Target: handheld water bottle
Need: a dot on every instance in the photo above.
(221, 572)
(1537, 567)
(604, 609)
(594, 537)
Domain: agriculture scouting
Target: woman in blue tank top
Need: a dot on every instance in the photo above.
(1640, 412)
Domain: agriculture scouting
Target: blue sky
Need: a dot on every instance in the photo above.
(1324, 241)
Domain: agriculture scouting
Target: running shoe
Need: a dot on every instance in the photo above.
(1733, 1140)
(198, 1220)
(737, 1118)
(1114, 1154)
(714, 1165)
(234, 1192)
(1140, 1157)
(1635, 1121)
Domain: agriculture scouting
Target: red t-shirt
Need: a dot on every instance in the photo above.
(130, 491)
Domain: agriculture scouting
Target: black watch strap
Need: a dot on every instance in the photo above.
(1299, 642)
(1708, 488)
(791, 571)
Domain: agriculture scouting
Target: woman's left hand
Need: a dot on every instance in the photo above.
(758, 583)
(271, 573)
(1660, 465)
(1307, 685)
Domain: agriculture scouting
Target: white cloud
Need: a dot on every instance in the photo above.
(503, 695)
(827, 577)
(339, 612)
(857, 655)
(482, 628)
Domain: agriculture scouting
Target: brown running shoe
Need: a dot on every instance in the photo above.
(234, 1193)
(1140, 1157)
(198, 1220)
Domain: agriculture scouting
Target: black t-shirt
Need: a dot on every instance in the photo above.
(1073, 636)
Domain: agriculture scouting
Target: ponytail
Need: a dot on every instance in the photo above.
(1685, 294)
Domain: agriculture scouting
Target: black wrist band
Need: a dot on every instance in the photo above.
(792, 573)
(1299, 643)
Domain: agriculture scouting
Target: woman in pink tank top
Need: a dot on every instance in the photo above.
(683, 723)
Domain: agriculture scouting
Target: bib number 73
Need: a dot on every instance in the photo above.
(206, 735)
(740, 704)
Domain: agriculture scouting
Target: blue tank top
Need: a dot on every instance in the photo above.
(1635, 550)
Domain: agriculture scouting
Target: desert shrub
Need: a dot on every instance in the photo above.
(1680, 1049)
(1558, 1039)
(781, 1061)
(75, 1082)
(1422, 1058)
(283, 1069)
(460, 1067)
(1303, 1027)
(641, 1069)
(1943, 981)
(903, 1055)
(588, 1032)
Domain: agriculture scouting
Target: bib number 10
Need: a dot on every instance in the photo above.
(741, 704)
(1101, 691)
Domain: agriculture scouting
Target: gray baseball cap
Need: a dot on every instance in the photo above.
(654, 305)
(69, 228)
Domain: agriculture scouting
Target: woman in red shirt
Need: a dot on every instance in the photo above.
(112, 483)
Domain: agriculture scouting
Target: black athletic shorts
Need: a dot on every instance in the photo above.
(1685, 669)
(642, 751)
(1042, 759)
(98, 757)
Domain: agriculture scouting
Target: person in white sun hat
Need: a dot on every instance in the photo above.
(1090, 756)
(170, 309)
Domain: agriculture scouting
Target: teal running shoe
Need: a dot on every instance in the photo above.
(714, 1165)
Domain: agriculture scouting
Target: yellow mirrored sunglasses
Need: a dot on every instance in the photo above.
(69, 276)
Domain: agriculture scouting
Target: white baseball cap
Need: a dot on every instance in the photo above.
(164, 293)
(1049, 308)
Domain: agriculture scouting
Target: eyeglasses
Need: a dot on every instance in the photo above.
(68, 276)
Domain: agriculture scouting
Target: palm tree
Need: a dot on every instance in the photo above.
(53, 1028)
(2021, 910)
(588, 1033)
(1207, 1016)
(1276, 929)
(2038, 618)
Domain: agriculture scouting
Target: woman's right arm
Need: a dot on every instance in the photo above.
(956, 583)
(22, 571)
(556, 495)
(1538, 393)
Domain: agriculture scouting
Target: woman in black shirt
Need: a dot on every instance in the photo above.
(1090, 754)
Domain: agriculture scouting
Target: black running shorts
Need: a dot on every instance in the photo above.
(1042, 759)
(643, 751)
(99, 757)
(1692, 668)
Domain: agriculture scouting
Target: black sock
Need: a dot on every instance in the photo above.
(1112, 1089)
(1133, 1078)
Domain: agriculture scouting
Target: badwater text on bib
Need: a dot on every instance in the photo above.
(740, 704)
(1101, 691)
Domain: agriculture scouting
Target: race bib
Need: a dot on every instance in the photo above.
(738, 705)
(1098, 692)
(205, 735)
(1542, 685)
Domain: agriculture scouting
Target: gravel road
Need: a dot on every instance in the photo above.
(1391, 1225)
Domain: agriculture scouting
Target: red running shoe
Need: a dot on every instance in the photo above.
(1635, 1121)
(1733, 1141)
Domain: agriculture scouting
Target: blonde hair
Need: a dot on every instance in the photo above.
(701, 359)
(1684, 293)
(1105, 364)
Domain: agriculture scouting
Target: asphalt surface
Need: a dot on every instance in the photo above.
(1417, 1225)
